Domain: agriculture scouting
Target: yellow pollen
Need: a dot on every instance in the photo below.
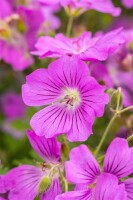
(4, 30)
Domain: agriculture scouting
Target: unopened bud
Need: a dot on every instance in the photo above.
(70, 11)
(44, 184)
(64, 150)
(114, 99)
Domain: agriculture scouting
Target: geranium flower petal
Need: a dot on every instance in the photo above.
(101, 50)
(47, 149)
(118, 159)
(23, 181)
(70, 71)
(51, 121)
(40, 89)
(81, 125)
(82, 167)
(107, 187)
(129, 188)
(93, 97)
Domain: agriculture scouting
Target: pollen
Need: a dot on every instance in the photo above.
(4, 30)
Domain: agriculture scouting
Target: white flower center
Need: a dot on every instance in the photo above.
(71, 98)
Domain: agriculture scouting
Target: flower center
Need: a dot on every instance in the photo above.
(4, 30)
(11, 28)
(71, 98)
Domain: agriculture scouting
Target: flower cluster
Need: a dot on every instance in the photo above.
(27, 181)
(96, 184)
(18, 35)
(83, 77)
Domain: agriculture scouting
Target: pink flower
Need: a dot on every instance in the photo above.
(27, 181)
(117, 71)
(13, 106)
(76, 7)
(79, 6)
(85, 46)
(18, 34)
(51, 22)
(73, 99)
(13, 109)
(94, 183)
(128, 3)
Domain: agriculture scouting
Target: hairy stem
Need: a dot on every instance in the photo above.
(118, 99)
(64, 180)
(125, 109)
(105, 134)
(110, 123)
(69, 26)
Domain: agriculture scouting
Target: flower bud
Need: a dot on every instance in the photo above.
(114, 98)
(44, 184)
(65, 150)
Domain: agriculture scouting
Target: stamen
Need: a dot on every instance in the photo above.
(71, 98)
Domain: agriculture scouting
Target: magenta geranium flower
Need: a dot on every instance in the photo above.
(28, 14)
(76, 7)
(12, 43)
(107, 188)
(12, 105)
(114, 76)
(73, 6)
(73, 99)
(120, 68)
(51, 21)
(27, 181)
(128, 3)
(85, 46)
(18, 34)
(117, 71)
(96, 184)
(100, 71)
(13, 108)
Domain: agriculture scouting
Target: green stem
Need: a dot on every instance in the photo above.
(117, 113)
(101, 158)
(66, 185)
(125, 109)
(64, 180)
(105, 134)
(118, 100)
(52, 169)
(110, 123)
(69, 26)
